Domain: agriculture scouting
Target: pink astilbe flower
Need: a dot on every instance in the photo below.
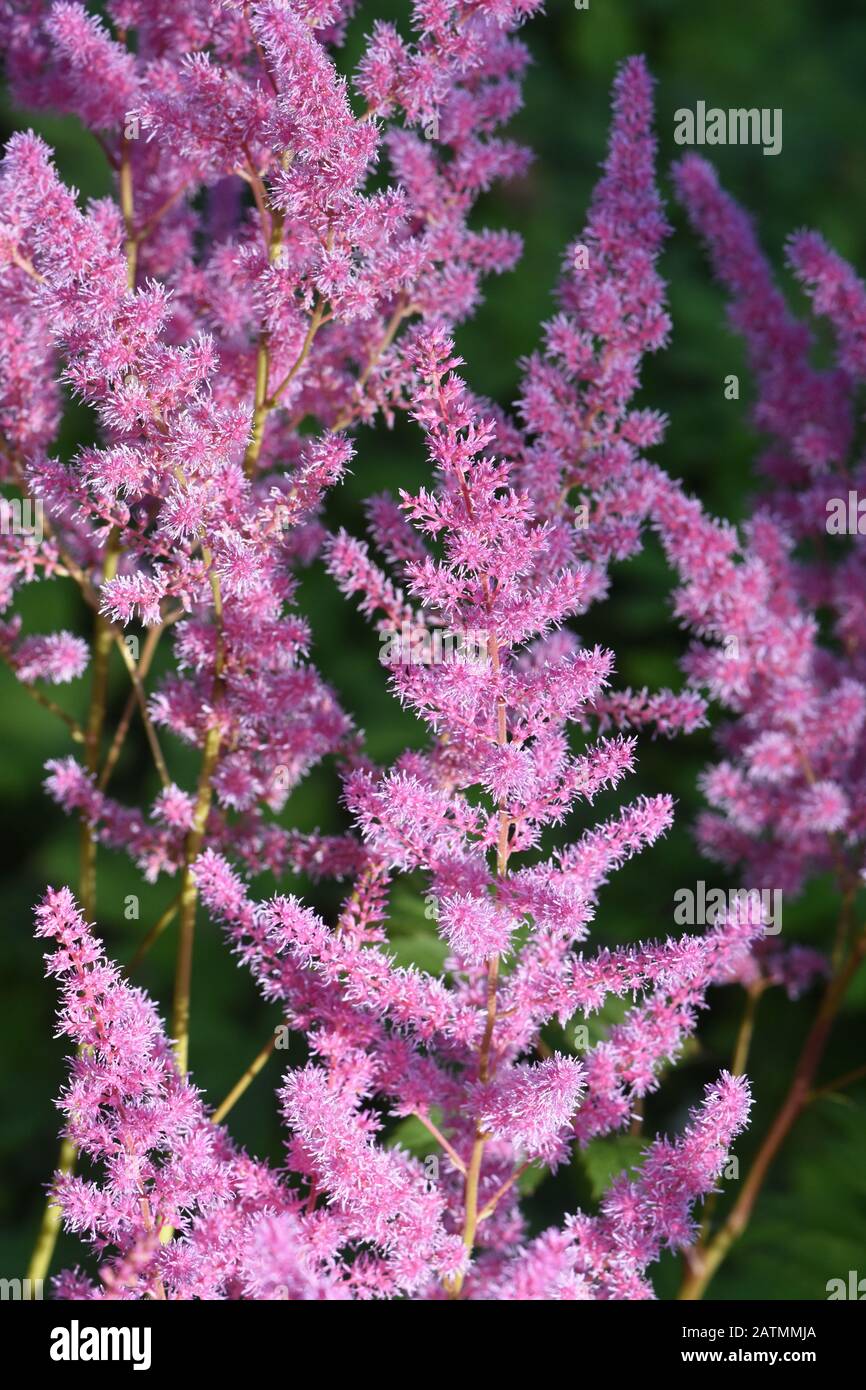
(575, 401)
(532, 1104)
(58, 657)
(501, 725)
(784, 798)
(580, 453)
(606, 1256)
(474, 929)
(378, 1194)
(248, 651)
(202, 338)
(284, 264)
(837, 293)
(420, 1045)
(161, 1162)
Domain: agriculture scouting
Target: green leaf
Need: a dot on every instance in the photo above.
(604, 1159)
(410, 1134)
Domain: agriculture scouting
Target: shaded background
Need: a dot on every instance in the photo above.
(805, 56)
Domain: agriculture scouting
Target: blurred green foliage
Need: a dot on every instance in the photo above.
(805, 56)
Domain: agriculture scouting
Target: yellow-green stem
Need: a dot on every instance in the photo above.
(260, 408)
(103, 639)
(154, 934)
(49, 1227)
(454, 1285)
(128, 210)
(45, 702)
(244, 1081)
(742, 1046)
(195, 837)
(188, 902)
(702, 1262)
(143, 666)
(141, 699)
(262, 404)
(746, 1030)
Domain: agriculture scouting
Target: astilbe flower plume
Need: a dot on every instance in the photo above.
(283, 264)
(780, 796)
(581, 443)
(249, 277)
(501, 728)
(164, 1165)
(463, 1050)
(786, 796)
(778, 622)
(774, 608)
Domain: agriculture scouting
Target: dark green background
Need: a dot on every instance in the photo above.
(805, 56)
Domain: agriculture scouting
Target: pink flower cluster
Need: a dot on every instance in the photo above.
(287, 258)
(779, 614)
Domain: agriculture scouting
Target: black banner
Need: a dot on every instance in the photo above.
(151, 1338)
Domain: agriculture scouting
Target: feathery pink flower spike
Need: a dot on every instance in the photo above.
(286, 263)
